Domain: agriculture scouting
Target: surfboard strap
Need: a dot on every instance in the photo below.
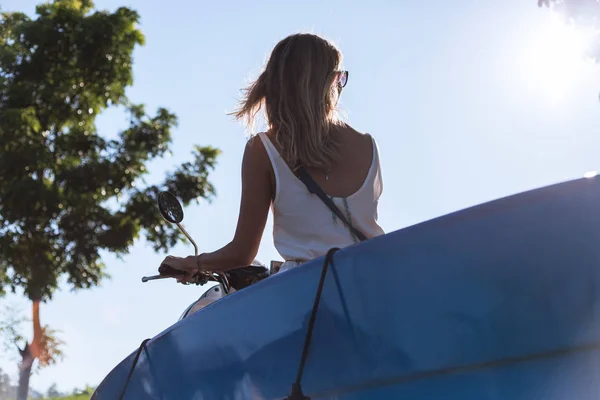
(297, 393)
(135, 361)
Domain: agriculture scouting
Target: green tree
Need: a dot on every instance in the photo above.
(67, 193)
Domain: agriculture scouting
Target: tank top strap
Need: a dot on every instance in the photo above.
(377, 178)
(375, 151)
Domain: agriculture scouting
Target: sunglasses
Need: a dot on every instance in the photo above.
(342, 78)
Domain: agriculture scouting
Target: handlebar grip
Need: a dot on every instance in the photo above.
(164, 269)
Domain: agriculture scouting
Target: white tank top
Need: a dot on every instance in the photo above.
(304, 228)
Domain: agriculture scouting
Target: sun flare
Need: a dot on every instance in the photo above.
(554, 55)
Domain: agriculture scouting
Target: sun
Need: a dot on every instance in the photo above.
(554, 55)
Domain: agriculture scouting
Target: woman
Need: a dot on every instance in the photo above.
(299, 91)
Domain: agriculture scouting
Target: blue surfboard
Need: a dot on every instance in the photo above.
(499, 301)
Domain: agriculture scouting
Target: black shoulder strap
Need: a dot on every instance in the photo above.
(314, 188)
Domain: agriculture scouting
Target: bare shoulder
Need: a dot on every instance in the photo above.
(356, 138)
(255, 152)
(254, 144)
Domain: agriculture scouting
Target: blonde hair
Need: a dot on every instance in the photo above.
(299, 99)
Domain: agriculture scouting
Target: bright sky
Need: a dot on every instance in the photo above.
(469, 101)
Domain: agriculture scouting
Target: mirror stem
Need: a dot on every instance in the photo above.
(189, 238)
(222, 278)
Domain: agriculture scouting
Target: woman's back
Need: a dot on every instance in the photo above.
(304, 228)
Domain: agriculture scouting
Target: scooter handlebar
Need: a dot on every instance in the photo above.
(164, 269)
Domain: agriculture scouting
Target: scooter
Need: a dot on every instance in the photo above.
(227, 282)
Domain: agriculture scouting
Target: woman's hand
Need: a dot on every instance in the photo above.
(187, 264)
(181, 263)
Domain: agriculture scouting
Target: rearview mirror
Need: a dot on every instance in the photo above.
(170, 208)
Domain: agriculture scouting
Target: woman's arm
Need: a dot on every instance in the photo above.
(254, 209)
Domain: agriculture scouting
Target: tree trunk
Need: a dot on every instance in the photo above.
(24, 373)
(36, 342)
(29, 354)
